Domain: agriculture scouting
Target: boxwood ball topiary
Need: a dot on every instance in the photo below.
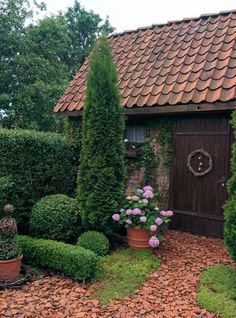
(56, 217)
(95, 242)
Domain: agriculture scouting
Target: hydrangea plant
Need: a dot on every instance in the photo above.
(141, 210)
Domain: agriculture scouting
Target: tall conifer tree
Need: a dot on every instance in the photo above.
(101, 172)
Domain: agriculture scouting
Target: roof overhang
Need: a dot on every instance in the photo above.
(167, 109)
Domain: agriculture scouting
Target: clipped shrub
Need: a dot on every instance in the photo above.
(94, 241)
(9, 248)
(73, 260)
(33, 164)
(230, 206)
(56, 217)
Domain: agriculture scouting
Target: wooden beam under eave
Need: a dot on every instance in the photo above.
(165, 110)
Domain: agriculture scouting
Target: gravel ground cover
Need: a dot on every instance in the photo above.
(169, 292)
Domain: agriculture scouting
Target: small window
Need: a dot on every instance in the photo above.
(136, 134)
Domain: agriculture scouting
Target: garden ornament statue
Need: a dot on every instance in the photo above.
(8, 225)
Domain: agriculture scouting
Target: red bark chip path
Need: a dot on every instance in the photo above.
(167, 293)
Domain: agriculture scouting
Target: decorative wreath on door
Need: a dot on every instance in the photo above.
(203, 164)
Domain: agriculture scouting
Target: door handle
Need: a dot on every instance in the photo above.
(221, 180)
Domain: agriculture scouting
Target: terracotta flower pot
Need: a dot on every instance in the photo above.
(10, 269)
(138, 238)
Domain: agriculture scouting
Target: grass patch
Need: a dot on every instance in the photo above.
(123, 272)
(217, 292)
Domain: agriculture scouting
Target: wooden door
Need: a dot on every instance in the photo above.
(199, 175)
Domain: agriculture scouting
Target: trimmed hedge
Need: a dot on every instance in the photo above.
(32, 165)
(56, 217)
(95, 242)
(72, 260)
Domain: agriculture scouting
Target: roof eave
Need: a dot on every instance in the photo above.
(168, 109)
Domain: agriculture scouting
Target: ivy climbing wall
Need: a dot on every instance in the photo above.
(153, 162)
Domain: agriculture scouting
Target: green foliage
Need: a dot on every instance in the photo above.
(217, 292)
(83, 29)
(95, 242)
(39, 58)
(150, 162)
(73, 132)
(164, 138)
(123, 272)
(56, 217)
(230, 226)
(101, 173)
(9, 248)
(72, 260)
(232, 181)
(230, 206)
(32, 166)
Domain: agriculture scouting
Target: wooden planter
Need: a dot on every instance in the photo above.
(131, 152)
(10, 269)
(138, 238)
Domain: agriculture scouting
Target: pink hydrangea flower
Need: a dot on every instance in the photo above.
(143, 219)
(116, 217)
(136, 211)
(148, 188)
(148, 194)
(163, 213)
(129, 212)
(153, 228)
(135, 198)
(158, 221)
(154, 242)
(128, 221)
(169, 213)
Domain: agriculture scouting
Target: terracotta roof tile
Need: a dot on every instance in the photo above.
(188, 61)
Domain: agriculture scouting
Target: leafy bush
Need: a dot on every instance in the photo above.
(56, 217)
(230, 226)
(9, 248)
(33, 164)
(72, 260)
(102, 169)
(230, 206)
(94, 241)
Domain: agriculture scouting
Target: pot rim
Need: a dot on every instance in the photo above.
(2, 261)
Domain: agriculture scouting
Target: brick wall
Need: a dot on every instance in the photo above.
(163, 175)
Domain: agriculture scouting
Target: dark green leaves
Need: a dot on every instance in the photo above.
(32, 166)
(101, 173)
(38, 60)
